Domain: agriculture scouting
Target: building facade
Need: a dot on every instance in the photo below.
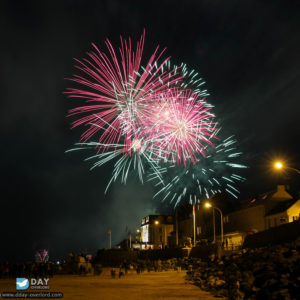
(155, 230)
(258, 214)
(261, 213)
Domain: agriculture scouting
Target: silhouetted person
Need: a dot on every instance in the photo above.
(113, 273)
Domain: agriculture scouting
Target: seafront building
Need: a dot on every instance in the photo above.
(155, 230)
(261, 213)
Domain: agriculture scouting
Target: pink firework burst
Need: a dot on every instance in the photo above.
(181, 126)
(117, 91)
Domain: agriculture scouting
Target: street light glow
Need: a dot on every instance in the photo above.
(208, 205)
(278, 165)
(156, 222)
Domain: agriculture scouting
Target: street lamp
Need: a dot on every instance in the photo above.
(208, 205)
(139, 234)
(164, 242)
(109, 233)
(194, 223)
(279, 165)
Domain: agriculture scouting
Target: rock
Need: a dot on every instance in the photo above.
(263, 273)
(255, 289)
(284, 281)
(285, 293)
(221, 293)
(220, 282)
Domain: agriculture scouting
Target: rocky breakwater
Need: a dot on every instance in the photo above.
(263, 273)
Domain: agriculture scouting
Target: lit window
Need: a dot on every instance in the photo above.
(145, 233)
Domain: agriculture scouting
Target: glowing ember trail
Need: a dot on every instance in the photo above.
(117, 92)
(153, 120)
(180, 126)
(126, 159)
(215, 173)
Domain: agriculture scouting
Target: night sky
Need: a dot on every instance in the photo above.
(248, 52)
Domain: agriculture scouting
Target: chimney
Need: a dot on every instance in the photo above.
(281, 194)
(281, 188)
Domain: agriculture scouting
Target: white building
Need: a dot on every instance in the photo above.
(155, 230)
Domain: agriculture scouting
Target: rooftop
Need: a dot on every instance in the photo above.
(281, 207)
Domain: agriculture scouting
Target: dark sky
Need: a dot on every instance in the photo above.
(247, 51)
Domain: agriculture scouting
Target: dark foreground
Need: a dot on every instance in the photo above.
(154, 285)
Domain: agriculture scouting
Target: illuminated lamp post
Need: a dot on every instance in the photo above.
(208, 205)
(194, 223)
(109, 233)
(176, 227)
(156, 222)
(139, 237)
(278, 165)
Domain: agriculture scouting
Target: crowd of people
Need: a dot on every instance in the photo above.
(49, 269)
(27, 270)
(147, 265)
